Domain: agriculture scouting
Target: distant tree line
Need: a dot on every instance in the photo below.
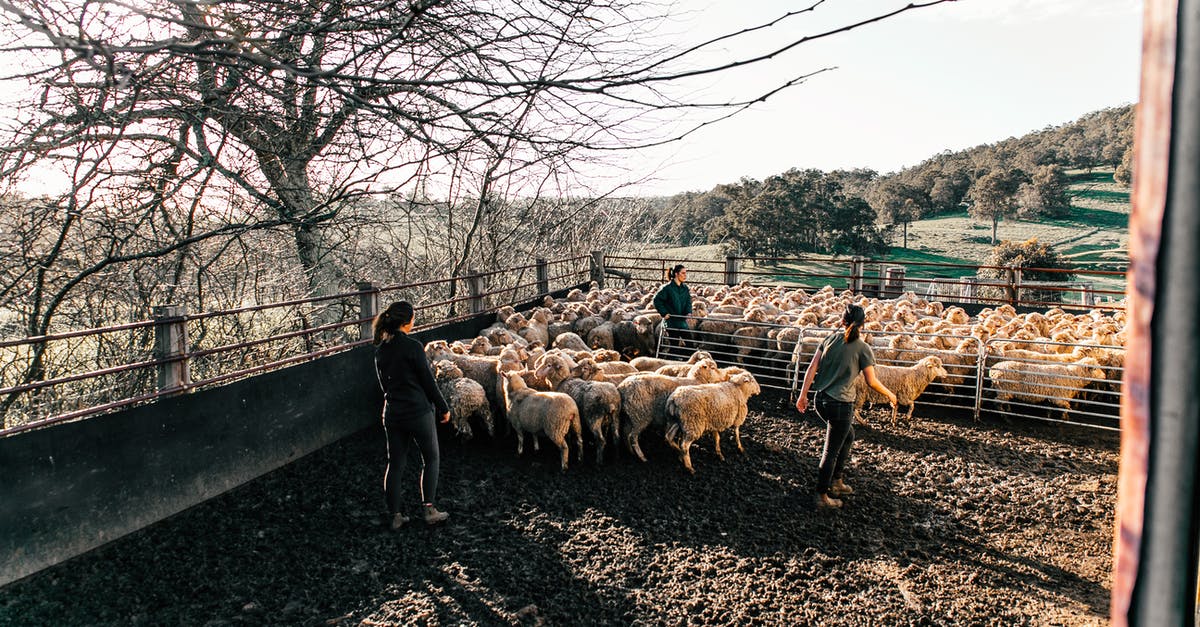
(861, 211)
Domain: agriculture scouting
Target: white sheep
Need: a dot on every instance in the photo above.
(644, 398)
(694, 410)
(552, 413)
(1057, 384)
(570, 341)
(466, 398)
(598, 401)
(906, 382)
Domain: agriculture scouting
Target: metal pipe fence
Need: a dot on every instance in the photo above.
(66, 376)
(948, 282)
(778, 355)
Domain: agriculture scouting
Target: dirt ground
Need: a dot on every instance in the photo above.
(952, 522)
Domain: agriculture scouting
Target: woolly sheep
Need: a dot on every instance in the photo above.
(571, 341)
(465, 397)
(1057, 384)
(599, 402)
(481, 369)
(552, 413)
(694, 410)
(644, 398)
(906, 382)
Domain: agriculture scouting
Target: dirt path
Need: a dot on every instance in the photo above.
(952, 523)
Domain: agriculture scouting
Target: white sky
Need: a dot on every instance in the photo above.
(952, 76)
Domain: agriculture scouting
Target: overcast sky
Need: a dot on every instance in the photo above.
(950, 77)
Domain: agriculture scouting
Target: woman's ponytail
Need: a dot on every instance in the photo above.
(674, 271)
(854, 318)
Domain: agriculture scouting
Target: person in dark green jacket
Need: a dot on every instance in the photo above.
(674, 302)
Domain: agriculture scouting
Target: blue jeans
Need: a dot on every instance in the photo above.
(839, 437)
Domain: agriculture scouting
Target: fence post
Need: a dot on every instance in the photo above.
(476, 284)
(170, 343)
(543, 276)
(732, 268)
(970, 289)
(1087, 296)
(368, 307)
(1014, 285)
(598, 267)
(893, 282)
(857, 264)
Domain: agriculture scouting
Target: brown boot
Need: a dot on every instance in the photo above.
(824, 501)
(839, 488)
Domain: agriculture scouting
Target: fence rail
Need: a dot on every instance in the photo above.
(70, 375)
(960, 283)
(778, 361)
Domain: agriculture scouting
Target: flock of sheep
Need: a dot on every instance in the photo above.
(582, 363)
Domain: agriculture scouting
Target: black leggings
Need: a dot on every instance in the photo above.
(839, 436)
(400, 435)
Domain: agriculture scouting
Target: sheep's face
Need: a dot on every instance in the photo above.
(446, 370)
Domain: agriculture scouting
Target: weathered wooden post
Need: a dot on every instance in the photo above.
(1014, 285)
(893, 282)
(1087, 295)
(543, 276)
(597, 265)
(368, 307)
(170, 344)
(732, 268)
(476, 286)
(857, 265)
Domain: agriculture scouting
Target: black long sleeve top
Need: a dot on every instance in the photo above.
(407, 381)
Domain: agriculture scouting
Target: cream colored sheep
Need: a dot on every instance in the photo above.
(907, 383)
(1057, 384)
(694, 410)
(598, 401)
(552, 413)
(644, 398)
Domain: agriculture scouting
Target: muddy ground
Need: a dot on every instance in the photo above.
(953, 522)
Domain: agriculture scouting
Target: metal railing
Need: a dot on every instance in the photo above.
(779, 354)
(949, 282)
(66, 376)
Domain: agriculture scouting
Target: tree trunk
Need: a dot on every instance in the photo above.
(906, 236)
(995, 221)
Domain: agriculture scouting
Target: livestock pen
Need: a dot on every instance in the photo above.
(998, 511)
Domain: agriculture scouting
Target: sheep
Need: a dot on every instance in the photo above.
(598, 401)
(694, 410)
(652, 364)
(481, 369)
(906, 382)
(571, 341)
(552, 413)
(1057, 384)
(466, 398)
(644, 399)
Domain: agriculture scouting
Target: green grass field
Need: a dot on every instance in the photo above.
(1093, 236)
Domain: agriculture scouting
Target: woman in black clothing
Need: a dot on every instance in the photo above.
(409, 391)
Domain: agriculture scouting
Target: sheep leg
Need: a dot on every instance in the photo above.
(685, 452)
(631, 439)
(520, 442)
(614, 426)
(737, 437)
(488, 422)
(669, 436)
(911, 407)
(564, 451)
(597, 429)
(717, 445)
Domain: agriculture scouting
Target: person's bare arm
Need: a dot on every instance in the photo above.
(873, 381)
(809, 375)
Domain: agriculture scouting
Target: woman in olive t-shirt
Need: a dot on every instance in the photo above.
(834, 367)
